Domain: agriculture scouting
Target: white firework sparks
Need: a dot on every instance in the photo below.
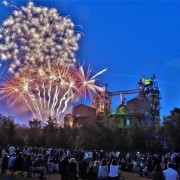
(36, 35)
(41, 47)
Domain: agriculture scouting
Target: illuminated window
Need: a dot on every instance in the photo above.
(128, 122)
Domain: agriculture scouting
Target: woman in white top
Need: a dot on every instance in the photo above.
(114, 170)
(103, 170)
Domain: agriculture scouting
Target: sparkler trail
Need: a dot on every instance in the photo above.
(39, 97)
(65, 105)
(54, 100)
(40, 48)
(60, 103)
(99, 73)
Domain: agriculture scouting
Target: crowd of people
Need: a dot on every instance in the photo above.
(79, 164)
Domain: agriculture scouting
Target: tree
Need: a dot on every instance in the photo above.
(7, 130)
(35, 123)
(51, 132)
(34, 133)
(172, 129)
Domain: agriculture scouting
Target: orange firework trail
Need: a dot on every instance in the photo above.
(49, 90)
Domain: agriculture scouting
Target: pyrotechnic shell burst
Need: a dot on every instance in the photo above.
(50, 89)
(41, 46)
(32, 34)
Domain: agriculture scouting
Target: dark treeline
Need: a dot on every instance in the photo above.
(94, 135)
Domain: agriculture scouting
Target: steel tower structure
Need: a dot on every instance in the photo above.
(147, 90)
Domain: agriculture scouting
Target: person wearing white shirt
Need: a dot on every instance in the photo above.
(4, 152)
(11, 162)
(117, 154)
(12, 149)
(103, 170)
(114, 170)
(170, 173)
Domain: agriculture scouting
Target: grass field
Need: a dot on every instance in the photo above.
(132, 176)
(125, 176)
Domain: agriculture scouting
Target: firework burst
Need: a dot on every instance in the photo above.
(40, 46)
(49, 90)
(37, 34)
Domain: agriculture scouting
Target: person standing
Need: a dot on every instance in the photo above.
(170, 173)
(157, 174)
(63, 168)
(72, 170)
(39, 165)
(11, 162)
(4, 165)
(18, 164)
(12, 150)
(83, 169)
(149, 164)
(93, 171)
(27, 166)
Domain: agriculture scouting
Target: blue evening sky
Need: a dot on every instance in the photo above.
(130, 38)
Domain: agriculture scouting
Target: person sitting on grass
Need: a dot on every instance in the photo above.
(103, 172)
(114, 170)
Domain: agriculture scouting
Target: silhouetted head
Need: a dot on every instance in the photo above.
(103, 162)
(114, 162)
(170, 165)
(158, 168)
